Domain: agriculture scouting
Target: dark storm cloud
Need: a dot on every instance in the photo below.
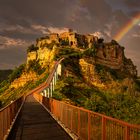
(23, 32)
(22, 21)
(35, 11)
(99, 9)
(9, 58)
(132, 3)
(125, 5)
(132, 49)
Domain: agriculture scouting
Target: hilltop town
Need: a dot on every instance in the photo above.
(109, 54)
(93, 49)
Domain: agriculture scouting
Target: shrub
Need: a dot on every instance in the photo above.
(35, 66)
(100, 40)
(32, 48)
(64, 42)
(0, 103)
(16, 73)
(114, 42)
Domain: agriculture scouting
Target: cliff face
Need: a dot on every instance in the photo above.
(43, 55)
(109, 54)
(89, 73)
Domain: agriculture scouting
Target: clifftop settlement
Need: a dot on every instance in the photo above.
(109, 54)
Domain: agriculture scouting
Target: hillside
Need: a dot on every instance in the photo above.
(95, 74)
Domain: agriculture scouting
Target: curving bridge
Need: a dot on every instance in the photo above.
(36, 116)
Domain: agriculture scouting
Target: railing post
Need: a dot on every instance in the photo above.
(89, 126)
(51, 89)
(79, 123)
(71, 118)
(103, 128)
(127, 133)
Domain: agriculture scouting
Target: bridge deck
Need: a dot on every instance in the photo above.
(35, 123)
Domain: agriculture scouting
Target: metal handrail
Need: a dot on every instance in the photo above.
(9, 113)
(89, 125)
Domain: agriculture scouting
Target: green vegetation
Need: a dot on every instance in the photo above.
(8, 94)
(16, 73)
(66, 52)
(64, 42)
(49, 45)
(116, 100)
(114, 42)
(0, 103)
(32, 48)
(90, 52)
(100, 41)
(36, 67)
(11, 94)
(121, 105)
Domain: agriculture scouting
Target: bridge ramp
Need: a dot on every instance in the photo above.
(35, 123)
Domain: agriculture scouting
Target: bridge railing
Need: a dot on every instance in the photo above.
(9, 113)
(88, 125)
(7, 116)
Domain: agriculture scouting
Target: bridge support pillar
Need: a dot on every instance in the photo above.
(53, 83)
(48, 94)
(51, 89)
(41, 93)
(55, 78)
(56, 74)
(45, 93)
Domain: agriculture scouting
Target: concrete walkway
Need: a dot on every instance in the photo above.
(35, 123)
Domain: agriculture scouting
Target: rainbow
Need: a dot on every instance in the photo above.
(123, 31)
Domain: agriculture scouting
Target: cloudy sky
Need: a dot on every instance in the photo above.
(22, 21)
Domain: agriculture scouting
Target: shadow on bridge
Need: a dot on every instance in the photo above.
(35, 123)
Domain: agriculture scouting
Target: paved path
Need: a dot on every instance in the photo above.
(35, 123)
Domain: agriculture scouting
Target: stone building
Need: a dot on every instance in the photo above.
(107, 54)
(42, 41)
(110, 55)
(54, 37)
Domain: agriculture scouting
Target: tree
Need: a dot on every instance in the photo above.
(0, 103)
(16, 73)
(100, 40)
(114, 42)
(35, 66)
(64, 42)
(32, 48)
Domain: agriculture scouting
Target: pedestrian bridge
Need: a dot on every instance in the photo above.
(36, 116)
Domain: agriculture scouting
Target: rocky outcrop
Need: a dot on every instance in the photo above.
(109, 54)
(89, 73)
(44, 55)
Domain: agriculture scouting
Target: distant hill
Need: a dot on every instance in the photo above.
(4, 74)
